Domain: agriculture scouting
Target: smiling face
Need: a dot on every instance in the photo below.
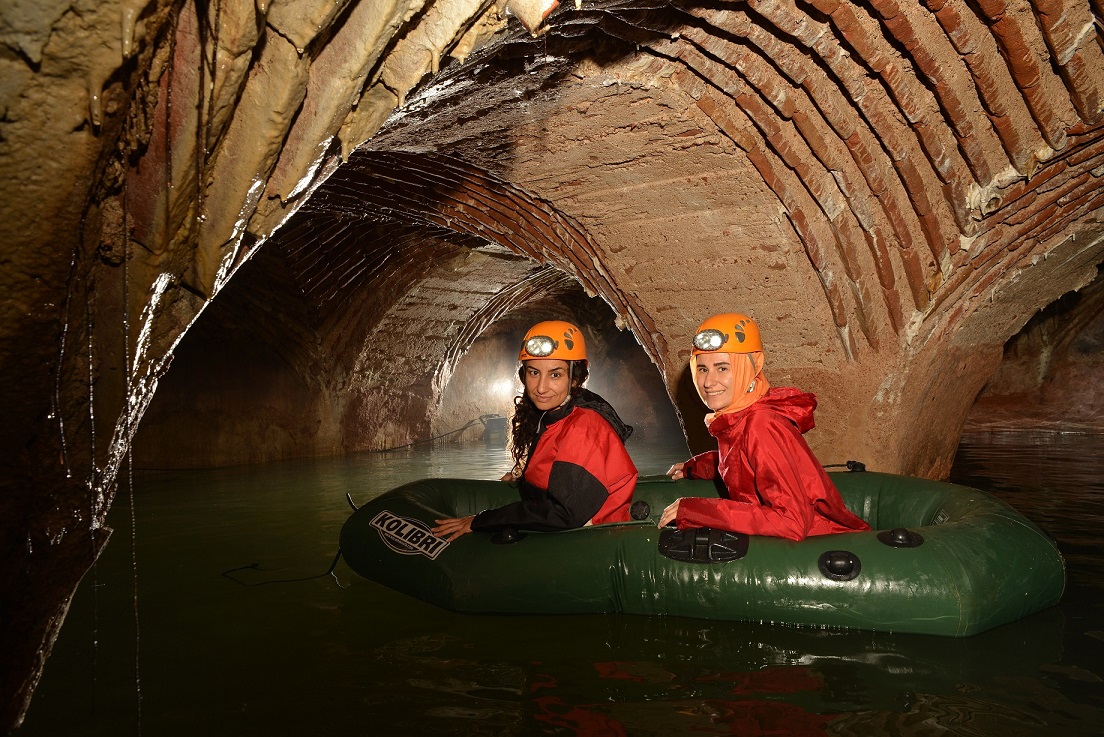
(546, 382)
(715, 379)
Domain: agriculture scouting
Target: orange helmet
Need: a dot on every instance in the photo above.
(553, 339)
(729, 332)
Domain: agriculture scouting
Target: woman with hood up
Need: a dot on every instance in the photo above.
(775, 484)
(567, 442)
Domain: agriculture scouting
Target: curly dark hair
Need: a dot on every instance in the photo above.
(523, 425)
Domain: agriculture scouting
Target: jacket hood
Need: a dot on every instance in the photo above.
(589, 400)
(792, 403)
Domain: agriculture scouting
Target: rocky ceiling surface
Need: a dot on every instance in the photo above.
(892, 188)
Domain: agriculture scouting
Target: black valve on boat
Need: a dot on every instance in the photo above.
(640, 510)
(840, 565)
(899, 537)
(507, 536)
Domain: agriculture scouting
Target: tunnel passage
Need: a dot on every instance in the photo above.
(1050, 376)
(485, 377)
(349, 333)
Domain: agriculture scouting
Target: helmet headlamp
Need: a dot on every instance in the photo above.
(709, 340)
(540, 346)
(553, 339)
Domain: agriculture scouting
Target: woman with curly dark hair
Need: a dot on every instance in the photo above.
(568, 445)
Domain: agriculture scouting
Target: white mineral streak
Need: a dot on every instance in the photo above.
(1085, 35)
(308, 177)
(142, 375)
(231, 261)
(141, 344)
(430, 94)
(230, 258)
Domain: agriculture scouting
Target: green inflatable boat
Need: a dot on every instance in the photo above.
(940, 559)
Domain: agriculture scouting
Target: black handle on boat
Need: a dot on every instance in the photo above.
(853, 466)
(702, 544)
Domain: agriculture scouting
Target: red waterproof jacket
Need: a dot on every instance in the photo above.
(775, 484)
(579, 472)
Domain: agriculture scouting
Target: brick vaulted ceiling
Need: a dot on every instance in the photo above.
(892, 188)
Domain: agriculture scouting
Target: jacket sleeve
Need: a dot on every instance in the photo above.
(783, 468)
(574, 496)
(702, 466)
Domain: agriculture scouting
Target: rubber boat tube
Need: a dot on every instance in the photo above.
(941, 559)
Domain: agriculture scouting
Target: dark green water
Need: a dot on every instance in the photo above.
(214, 653)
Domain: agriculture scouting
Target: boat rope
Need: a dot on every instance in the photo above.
(856, 466)
(256, 567)
(481, 418)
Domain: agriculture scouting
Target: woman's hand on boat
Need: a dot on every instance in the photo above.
(676, 471)
(454, 527)
(669, 513)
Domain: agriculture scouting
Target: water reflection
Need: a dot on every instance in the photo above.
(677, 676)
(1056, 479)
(314, 658)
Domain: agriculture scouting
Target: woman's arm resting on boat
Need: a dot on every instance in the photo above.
(701, 466)
(578, 490)
(669, 513)
(453, 527)
(574, 495)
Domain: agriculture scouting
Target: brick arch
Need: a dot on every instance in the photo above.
(536, 285)
(444, 192)
(438, 194)
(885, 127)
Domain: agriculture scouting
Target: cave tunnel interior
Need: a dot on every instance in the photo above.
(386, 311)
(894, 190)
(343, 338)
(289, 359)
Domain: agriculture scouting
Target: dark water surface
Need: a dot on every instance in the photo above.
(222, 652)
